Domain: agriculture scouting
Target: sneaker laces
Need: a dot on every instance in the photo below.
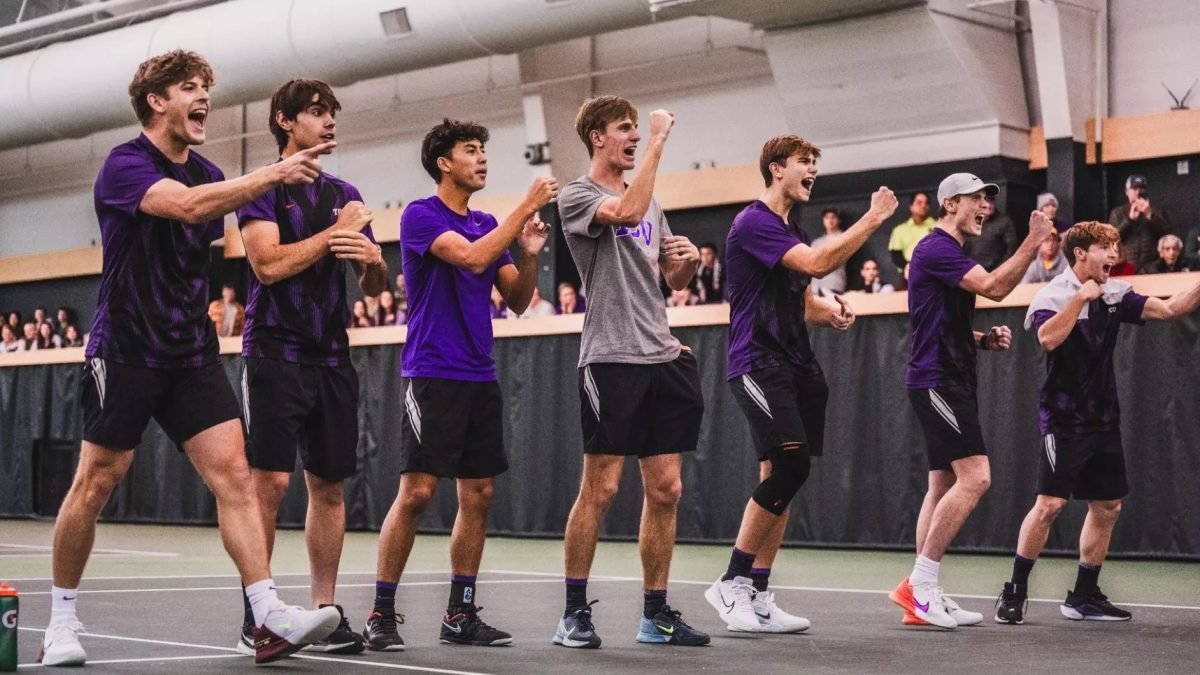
(673, 615)
(583, 618)
(389, 621)
(949, 602)
(767, 598)
(73, 626)
(472, 621)
(742, 592)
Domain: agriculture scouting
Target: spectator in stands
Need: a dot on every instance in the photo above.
(569, 301)
(1050, 261)
(997, 240)
(39, 316)
(29, 342)
(359, 317)
(386, 315)
(1139, 223)
(835, 281)
(14, 320)
(1122, 268)
(684, 297)
(538, 306)
(1170, 253)
(906, 235)
(232, 313)
(71, 336)
(1191, 249)
(401, 294)
(63, 317)
(711, 274)
(499, 307)
(870, 278)
(8, 339)
(1047, 203)
(47, 338)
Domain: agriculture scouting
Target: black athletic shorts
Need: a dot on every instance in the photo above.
(119, 400)
(783, 406)
(949, 417)
(1083, 466)
(294, 407)
(641, 409)
(453, 428)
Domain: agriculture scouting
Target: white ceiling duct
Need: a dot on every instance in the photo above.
(72, 89)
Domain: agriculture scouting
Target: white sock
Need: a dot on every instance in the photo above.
(924, 571)
(62, 604)
(263, 599)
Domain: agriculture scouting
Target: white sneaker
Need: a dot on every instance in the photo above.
(772, 619)
(961, 616)
(60, 646)
(288, 628)
(924, 601)
(733, 601)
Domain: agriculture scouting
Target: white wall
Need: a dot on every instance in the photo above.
(1152, 42)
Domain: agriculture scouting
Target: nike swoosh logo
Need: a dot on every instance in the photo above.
(765, 617)
(923, 608)
(666, 629)
(728, 605)
(455, 629)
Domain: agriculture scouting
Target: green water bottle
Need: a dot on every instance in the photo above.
(8, 628)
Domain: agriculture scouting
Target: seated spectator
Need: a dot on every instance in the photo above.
(1049, 263)
(386, 314)
(1047, 203)
(233, 314)
(711, 274)
(8, 339)
(39, 316)
(14, 321)
(997, 239)
(63, 317)
(29, 342)
(870, 278)
(401, 294)
(538, 306)
(1140, 224)
(569, 301)
(906, 235)
(71, 336)
(1191, 249)
(359, 317)
(835, 281)
(499, 307)
(47, 338)
(1170, 250)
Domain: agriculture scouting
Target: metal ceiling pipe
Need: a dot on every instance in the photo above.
(72, 89)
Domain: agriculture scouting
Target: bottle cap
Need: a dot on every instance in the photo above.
(6, 590)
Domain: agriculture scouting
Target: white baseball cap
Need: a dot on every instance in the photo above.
(964, 184)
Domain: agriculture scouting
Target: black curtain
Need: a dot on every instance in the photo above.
(865, 492)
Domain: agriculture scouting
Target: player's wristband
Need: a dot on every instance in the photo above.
(983, 342)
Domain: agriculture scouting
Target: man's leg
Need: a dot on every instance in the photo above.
(598, 486)
(940, 483)
(269, 490)
(1086, 601)
(662, 489)
(972, 477)
(1035, 528)
(99, 471)
(1097, 531)
(324, 533)
(772, 538)
(462, 624)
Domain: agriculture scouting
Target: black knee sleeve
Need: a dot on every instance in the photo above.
(790, 465)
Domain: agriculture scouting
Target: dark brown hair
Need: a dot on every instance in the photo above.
(158, 73)
(441, 140)
(597, 112)
(777, 150)
(295, 97)
(1087, 233)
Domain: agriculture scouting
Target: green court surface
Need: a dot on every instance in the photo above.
(162, 598)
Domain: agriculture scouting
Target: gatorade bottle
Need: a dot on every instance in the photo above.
(8, 628)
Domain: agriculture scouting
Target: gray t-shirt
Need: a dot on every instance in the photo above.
(626, 318)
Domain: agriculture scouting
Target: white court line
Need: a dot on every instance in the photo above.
(302, 586)
(47, 549)
(170, 643)
(147, 660)
(232, 575)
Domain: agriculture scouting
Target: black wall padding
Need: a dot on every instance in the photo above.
(865, 492)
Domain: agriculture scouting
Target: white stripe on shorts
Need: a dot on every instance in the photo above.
(593, 392)
(756, 394)
(943, 408)
(414, 411)
(1051, 449)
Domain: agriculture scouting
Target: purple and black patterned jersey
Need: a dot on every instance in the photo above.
(301, 319)
(940, 314)
(153, 304)
(1080, 393)
(766, 300)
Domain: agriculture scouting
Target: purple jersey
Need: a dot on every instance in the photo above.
(449, 308)
(301, 319)
(766, 300)
(1080, 393)
(153, 305)
(940, 312)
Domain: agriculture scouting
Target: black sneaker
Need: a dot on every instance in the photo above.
(342, 640)
(668, 627)
(465, 627)
(245, 643)
(380, 633)
(575, 629)
(1012, 603)
(1093, 606)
